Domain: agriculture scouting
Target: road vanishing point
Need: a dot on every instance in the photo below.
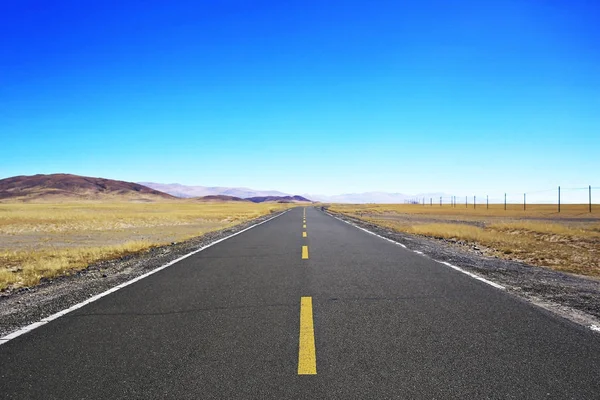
(304, 306)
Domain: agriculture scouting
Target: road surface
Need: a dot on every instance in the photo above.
(304, 307)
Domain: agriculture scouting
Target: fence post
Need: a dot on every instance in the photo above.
(430, 201)
(524, 201)
(474, 202)
(440, 201)
(590, 196)
(504, 201)
(466, 202)
(487, 202)
(559, 199)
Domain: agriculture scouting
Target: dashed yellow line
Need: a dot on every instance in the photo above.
(304, 226)
(304, 252)
(307, 355)
(303, 234)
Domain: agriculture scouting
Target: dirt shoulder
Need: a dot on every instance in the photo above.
(574, 297)
(24, 306)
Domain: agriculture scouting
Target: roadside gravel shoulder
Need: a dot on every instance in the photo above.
(24, 306)
(574, 297)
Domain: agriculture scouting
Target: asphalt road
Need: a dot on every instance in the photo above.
(351, 316)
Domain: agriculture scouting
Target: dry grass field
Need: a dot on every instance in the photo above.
(47, 240)
(569, 241)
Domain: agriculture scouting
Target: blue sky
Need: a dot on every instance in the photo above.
(305, 97)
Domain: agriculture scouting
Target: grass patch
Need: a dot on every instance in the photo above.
(448, 231)
(569, 242)
(570, 211)
(48, 240)
(27, 268)
(589, 231)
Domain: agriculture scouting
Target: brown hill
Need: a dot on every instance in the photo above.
(74, 187)
(278, 199)
(219, 198)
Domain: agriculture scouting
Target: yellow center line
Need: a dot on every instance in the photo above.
(303, 234)
(304, 252)
(304, 226)
(307, 356)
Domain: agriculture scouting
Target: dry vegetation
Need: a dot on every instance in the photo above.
(47, 240)
(569, 241)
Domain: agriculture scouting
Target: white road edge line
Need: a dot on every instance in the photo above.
(595, 328)
(369, 232)
(472, 275)
(59, 314)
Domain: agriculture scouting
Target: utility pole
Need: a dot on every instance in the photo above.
(590, 196)
(524, 201)
(474, 202)
(559, 199)
(504, 201)
(487, 202)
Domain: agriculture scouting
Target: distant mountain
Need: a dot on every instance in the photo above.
(74, 187)
(279, 199)
(247, 193)
(218, 197)
(178, 190)
(366, 197)
(374, 197)
(186, 191)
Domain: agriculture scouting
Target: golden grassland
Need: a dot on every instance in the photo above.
(568, 211)
(569, 241)
(47, 240)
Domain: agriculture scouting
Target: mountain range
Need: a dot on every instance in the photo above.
(75, 187)
(69, 187)
(185, 191)
(374, 197)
